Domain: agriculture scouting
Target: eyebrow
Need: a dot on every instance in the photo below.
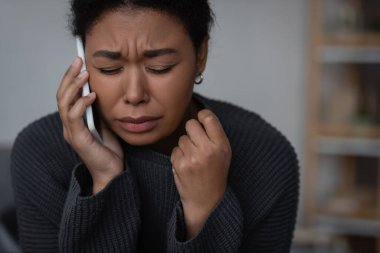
(107, 54)
(149, 53)
(159, 52)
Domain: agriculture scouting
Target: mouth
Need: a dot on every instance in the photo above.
(138, 125)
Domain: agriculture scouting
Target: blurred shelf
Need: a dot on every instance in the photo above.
(352, 39)
(348, 146)
(342, 182)
(350, 131)
(350, 207)
(330, 224)
(339, 54)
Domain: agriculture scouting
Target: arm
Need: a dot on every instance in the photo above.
(209, 217)
(107, 221)
(101, 210)
(265, 186)
(50, 198)
(224, 230)
(221, 232)
(37, 226)
(39, 194)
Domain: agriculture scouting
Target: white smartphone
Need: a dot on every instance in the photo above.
(89, 115)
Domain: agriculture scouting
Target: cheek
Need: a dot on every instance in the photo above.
(107, 92)
(175, 96)
(174, 91)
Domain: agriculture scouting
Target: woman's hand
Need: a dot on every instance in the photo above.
(200, 165)
(104, 160)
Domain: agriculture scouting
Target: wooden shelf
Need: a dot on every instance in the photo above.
(350, 131)
(348, 146)
(359, 204)
(332, 224)
(342, 179)
(351, 39)
(345, 54)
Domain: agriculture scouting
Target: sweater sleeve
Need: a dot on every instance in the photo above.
(274, 233)
(39, 195)
(53, 212)
(38, 223)
(105, 222)
(222, 231)
(258, 211)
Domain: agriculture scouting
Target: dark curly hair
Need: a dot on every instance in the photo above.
(195, 15)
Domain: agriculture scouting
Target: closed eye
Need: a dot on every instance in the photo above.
(160, 69)
(110, 71)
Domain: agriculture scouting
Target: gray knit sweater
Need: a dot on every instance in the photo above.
(139, 210)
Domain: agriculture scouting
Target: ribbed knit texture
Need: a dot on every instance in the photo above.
(140, 210)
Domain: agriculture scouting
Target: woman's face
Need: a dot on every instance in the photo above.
(142, 66)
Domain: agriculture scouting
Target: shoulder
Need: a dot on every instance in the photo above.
(39, 135)
(261, 153)
(41, 149)
(248, 130)
(49, 124)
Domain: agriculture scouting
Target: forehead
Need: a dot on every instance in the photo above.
(137, 24)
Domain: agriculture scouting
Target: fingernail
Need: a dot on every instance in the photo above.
(75, 62)
(82, 74)
(91, 95)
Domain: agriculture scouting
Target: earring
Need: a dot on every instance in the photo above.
(199, 79)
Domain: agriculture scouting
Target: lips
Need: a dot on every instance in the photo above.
(139, 125)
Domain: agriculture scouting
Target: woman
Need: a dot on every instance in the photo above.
(175, 171)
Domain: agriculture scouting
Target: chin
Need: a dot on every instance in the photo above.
(144, 139)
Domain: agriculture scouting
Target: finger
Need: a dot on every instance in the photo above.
(175, 158)
(75, 88)
(69, 76)
(213, 127)
(75, 115)
(196, 132)
(176, 154)
(185, 144)
(72, 93)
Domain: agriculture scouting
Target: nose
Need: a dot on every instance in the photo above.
(135, 87)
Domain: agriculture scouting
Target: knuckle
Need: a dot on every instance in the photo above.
(225, 150)
(174, 154)
(77, 83)
(59, 106)
(71, 116)
(208, 153)
(182, 166)
(194, 161)
(67, 135)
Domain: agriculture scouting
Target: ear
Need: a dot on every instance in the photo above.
(202, 56)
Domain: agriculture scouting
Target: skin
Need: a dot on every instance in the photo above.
(143, 63)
